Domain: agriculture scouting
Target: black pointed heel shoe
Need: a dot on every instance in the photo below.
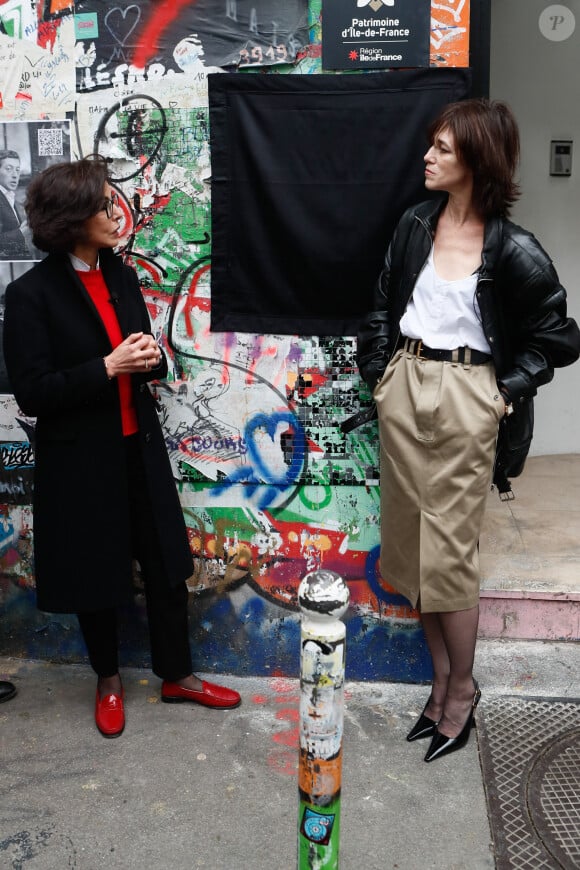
(423, 727)
(442, 745)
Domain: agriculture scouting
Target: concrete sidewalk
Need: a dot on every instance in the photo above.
(186, 787)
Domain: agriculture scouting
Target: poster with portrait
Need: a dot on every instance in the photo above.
(26, 148)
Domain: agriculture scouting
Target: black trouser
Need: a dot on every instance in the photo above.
(166, 606)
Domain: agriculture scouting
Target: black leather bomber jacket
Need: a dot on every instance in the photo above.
(523, 312)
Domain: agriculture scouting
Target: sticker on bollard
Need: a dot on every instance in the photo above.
(317, 827)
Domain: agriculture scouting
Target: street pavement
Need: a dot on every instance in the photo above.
(187, 787)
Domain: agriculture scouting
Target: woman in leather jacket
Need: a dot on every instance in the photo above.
(468, 320)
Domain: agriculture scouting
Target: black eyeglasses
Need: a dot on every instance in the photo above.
(109, 204)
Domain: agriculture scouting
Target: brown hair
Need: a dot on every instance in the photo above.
(487, 141)
(61, 199)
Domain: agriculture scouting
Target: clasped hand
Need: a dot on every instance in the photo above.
(137, 353)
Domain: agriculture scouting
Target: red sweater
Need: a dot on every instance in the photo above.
(99, 293)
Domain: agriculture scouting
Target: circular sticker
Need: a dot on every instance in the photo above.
(557, 23)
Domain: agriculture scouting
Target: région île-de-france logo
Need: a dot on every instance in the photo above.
(374, 4)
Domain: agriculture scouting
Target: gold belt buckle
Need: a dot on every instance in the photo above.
(418, 348)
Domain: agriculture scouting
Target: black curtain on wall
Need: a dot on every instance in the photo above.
(310, 174)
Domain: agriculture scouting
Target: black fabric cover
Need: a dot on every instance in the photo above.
(310, 174)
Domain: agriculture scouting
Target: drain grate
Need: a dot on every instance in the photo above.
(530, 755)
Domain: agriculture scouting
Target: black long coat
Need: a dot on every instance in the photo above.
(54, 344)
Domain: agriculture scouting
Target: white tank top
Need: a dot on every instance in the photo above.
(444, 314)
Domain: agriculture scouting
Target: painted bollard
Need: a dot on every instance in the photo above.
(323, 598)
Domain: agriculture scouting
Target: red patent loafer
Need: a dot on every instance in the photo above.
(110, 714)
(211, 695)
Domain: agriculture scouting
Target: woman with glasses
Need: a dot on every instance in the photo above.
(80, 355)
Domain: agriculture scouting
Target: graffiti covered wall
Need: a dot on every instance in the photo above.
(270, 487)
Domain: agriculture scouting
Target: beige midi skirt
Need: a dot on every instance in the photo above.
(438, 425)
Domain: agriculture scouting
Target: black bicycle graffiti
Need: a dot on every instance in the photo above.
(135, 127)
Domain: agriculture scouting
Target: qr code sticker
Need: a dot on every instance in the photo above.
(50, 143)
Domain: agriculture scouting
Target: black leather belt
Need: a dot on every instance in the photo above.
(462, 355)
